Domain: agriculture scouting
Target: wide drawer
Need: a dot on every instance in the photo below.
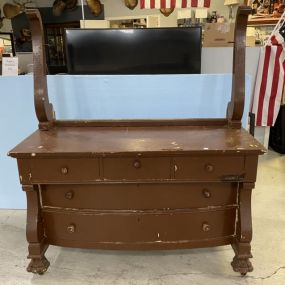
(139, 196)
(131, 227)
(209, 168)
(64, 170)
(131, 168)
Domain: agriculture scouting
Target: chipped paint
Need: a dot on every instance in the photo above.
(33, 154)
(40, 91)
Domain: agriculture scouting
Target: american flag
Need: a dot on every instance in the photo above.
(270, 80)
(161, 4)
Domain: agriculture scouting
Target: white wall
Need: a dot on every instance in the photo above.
(7, 27)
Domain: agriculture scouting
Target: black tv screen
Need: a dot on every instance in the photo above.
(134, 51)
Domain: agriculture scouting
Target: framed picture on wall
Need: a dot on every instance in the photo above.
(7, 44)
(22, 33)
(266, 8)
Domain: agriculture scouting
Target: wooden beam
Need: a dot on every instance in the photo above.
(236, 106)
(43, 108)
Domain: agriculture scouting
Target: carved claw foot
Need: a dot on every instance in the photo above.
(241, 265)
(38, 265)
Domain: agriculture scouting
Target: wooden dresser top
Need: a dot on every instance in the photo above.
(100, 141)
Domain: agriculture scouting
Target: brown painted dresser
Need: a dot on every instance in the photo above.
(137, 184)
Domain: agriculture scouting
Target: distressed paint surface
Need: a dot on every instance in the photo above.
(74, 141)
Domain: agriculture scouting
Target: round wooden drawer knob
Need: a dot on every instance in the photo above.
(64, 170)
(137, 164)
(206, 227)
(207, 193)
(69, 195)
(71, 229)
(209, 168)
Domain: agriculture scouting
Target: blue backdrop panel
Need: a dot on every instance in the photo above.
(104, 97)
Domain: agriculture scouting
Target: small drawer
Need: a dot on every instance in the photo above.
(209, 168)
(139, 196)
(137, 168)
(151, 227)
(64, 170)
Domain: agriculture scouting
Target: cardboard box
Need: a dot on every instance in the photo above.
(250, 41)
(219, 35)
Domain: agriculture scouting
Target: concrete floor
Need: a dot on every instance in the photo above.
(198, 266)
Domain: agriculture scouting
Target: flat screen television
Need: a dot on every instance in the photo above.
(134, 51)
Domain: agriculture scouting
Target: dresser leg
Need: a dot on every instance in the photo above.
(35, 232)
(38, 265)
(241, 245)
(241, 261)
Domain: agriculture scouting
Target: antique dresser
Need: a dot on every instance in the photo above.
(139, 184)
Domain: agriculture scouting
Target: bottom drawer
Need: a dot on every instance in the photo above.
(80, 228)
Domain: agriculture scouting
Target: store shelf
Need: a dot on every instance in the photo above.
(262, 21)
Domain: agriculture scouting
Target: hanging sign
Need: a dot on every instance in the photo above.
(9, 66)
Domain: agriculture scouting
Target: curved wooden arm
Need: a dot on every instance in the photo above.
(44, 110)
(236, 106)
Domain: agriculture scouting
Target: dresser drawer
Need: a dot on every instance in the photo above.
(64, 170)
(82, 228)
(137, 168)
(209, 168)
(139, 196)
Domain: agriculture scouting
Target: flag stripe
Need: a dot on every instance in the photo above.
(207, 3)
(269, 85)
(269, 79)
(271, 68)
(178, 3)
(194, 3)
(255, 98)
(158, 4)
(280, 88)
(274, 87)
(274, 40)
(263, 85)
